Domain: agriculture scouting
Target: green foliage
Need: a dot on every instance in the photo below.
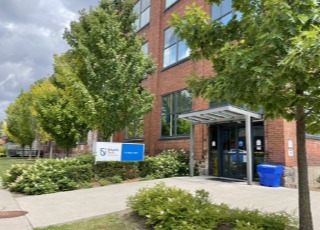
(318, 179)
(20, 122)
(109, 169)
(48, 176)
(102, 72)
(172, 208)
(115, 179)
(166, 164)
(3, 150)
(104, 182)
(259, 62)
(56, 115)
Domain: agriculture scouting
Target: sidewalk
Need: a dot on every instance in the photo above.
(57, 208)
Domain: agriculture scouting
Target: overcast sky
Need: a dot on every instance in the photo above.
(30, 33)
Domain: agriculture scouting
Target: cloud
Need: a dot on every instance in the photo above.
(30, 33)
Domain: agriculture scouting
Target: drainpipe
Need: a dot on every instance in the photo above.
(249, 149)
(191, 157)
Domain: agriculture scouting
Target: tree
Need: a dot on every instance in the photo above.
(20, 123)
(102, 72)
(268, 57)
(56, 115)
(1, 128)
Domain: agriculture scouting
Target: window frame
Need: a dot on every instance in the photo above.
(232, 12)
(174, 115)
(141, 11)
(176, 43)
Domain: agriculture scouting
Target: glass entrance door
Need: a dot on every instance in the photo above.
(228, 153)
(233, 152)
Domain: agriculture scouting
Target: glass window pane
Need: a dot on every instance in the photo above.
(145, 4)
(184, 101)
(183, 50)
(145, 48)
(169, 3)
(226, 18)
(226, 7)
(170, 56)
(183, 127)
(137, 23)
(145, 18)
(166, 125)
(136, 7)
(166, 105)
(215, 11)
(169, 37)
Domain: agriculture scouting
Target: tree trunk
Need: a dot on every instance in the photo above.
(305, 216)
(50, 151)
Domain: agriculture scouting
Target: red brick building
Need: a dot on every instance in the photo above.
(220, 137)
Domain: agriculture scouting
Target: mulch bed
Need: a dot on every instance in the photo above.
(11, 214)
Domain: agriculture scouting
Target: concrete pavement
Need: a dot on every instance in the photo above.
(57, 208)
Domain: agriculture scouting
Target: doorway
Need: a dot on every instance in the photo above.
(228, 155)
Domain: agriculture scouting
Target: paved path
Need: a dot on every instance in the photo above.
(51, 209)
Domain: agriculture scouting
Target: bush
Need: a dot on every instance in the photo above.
(14, 173)
(48, 176)
(167, 164)
(318, 180)
(115, 179)
(125, 170)
(172, 208)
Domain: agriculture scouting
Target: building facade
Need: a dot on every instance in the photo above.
(220, 137)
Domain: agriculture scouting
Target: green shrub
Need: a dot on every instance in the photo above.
(172, 208)
(14, 173)
(79, 173)
(126, 170)
(318, 180)
(48, 176)
(86, 158)
(115, 179)
(166, 164)
(104, 182)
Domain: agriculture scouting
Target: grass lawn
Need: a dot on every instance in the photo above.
(119, 221)
(6, 162)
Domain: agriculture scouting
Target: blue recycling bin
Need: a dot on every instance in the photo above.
(270, 174)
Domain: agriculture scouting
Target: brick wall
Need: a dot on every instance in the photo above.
(313, 152)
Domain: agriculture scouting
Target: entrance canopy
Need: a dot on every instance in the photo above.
(223, 114)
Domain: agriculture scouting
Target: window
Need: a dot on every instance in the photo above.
(135, 129)
(142, 8)
(145, 48)
(172, 105)
(223, 12)
(169, 3)
(174, 49)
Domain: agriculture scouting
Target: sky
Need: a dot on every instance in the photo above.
(31, 31)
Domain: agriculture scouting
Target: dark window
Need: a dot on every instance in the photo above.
(223, 12)
(174, 49)
(169, 3)
(135, 129)
(172, 105)
(142, 8)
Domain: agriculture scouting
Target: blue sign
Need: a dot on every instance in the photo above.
(240, 143)
(132, 152)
